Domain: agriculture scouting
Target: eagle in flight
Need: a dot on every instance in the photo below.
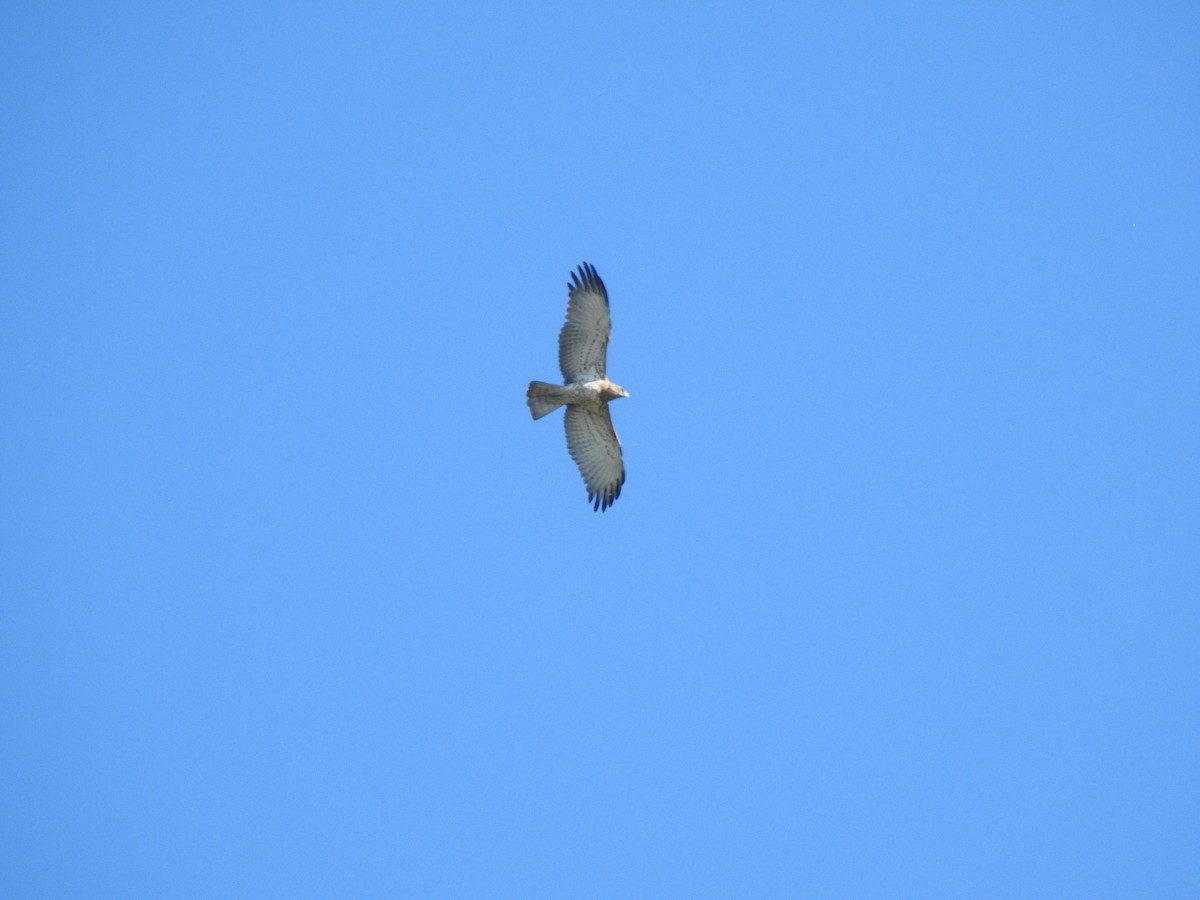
(582, 349)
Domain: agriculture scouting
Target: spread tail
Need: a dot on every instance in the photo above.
(544, 398)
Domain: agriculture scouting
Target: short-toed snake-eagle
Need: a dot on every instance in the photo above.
(582, 348)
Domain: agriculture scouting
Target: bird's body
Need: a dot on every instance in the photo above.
(586, 391)
(591, 395)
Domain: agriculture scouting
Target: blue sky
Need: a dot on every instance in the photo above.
(900, 597)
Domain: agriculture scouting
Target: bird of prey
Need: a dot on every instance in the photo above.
(582, 350)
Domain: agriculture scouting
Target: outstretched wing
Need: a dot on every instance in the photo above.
(594, 447)
(583, 341)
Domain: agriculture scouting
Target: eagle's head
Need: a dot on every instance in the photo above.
(612, 391)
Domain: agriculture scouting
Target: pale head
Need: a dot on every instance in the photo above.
(610, 391)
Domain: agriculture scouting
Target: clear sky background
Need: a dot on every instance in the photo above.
(900, 597)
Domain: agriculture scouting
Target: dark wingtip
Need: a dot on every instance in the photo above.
(602, 500)
(587, 276)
